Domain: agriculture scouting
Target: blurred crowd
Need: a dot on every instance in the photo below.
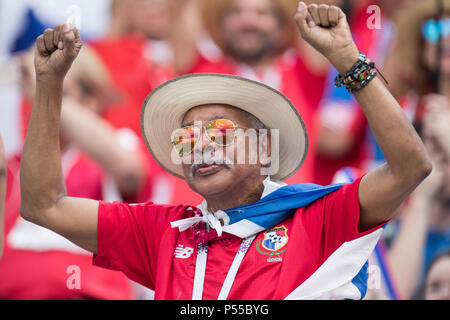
(132, 46)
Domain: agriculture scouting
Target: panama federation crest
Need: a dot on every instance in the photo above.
(273, 243)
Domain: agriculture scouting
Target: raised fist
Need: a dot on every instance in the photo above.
(326, 29)
(56, 49)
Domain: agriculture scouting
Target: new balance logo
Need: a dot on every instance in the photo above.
(183, 252)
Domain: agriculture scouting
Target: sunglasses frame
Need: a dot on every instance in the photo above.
(209, 138)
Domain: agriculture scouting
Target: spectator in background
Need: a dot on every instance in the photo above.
(256, 39)
(437, 278)
(417, 227)
(139, 59)
(136, 55)
(122, 50)
(413, 61)
(343, 136)
(100, 163)
(425, 222)
(151, 19)
(2, 194)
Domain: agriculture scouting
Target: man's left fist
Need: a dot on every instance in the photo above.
(326, 29)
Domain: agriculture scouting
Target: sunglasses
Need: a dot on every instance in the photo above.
(219, 131)
(432, 30)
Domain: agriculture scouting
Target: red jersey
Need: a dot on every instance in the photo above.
(139, 241)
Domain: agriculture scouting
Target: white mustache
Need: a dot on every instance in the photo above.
(220, 160)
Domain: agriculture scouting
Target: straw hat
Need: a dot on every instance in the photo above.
(164, 108)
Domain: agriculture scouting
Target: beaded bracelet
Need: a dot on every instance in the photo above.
(359, 76)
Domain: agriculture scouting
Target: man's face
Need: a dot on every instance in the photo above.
(251, 29)
(225, 175)
(150, 17)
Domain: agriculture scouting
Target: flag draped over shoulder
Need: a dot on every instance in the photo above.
(273, 208)
(277, 203)
(342, 276)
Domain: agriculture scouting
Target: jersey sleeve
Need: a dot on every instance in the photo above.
(341, 215)
(129, 237)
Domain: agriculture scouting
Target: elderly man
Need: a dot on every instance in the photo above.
(251, 238)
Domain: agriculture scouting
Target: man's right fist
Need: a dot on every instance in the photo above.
(56, 49)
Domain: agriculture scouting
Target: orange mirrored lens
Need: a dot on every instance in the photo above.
(221, 131)
(184, 139)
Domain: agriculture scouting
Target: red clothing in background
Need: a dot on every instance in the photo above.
(131, 72)
(38, 263)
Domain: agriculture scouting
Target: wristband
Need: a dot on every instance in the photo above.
(359, 76)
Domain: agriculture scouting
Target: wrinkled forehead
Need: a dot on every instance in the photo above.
(247, 6)
(208, 112)
(251, 4)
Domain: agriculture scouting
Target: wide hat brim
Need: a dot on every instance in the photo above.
(164, 108)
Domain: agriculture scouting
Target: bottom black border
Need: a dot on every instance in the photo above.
(173, 310)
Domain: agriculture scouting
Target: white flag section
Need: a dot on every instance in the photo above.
(339, 276)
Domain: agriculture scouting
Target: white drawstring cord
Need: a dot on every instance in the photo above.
(206, 217)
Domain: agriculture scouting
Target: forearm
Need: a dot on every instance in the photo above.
(383, 189)
(183, 33)
(332, 144)
(42, 182)
(401, 145)
(407, 251)
(44, 201)
(315, 61)
(79, 125)
(327, 30)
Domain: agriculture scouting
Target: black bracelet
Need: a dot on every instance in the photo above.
(359, 66)
(363, 83)
(359, 76)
